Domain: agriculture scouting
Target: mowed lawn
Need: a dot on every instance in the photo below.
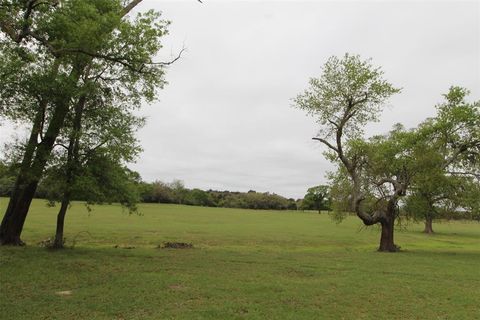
(245, 265)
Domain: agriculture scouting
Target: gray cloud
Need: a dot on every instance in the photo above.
(225, 120)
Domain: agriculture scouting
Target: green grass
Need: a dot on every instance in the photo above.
(245, 265)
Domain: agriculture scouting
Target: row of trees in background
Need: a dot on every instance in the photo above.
(109, 184)
(317, 198)
(175, 192)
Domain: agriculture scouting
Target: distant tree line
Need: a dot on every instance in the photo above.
(127, 187)
(176, 192)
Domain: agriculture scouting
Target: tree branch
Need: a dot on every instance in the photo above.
(367, 219)
(171, 61)
(365, 99)
(26, 16)
(7, 27)
(460, 173)
(60, 145)
(334, 123)
(120, 60)
(385, 180)
(325, 142)
(91, 151)
(129, 7)
(460, 150)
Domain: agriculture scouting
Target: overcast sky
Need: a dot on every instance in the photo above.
(225, 120)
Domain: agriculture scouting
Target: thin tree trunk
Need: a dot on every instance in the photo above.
(71, 172)
(428, 224)
(58, 242)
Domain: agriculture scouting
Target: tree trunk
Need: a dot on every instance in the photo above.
(16, 213)
(71, 165)
(14, 219)
(428, 225)
(58, 242)
(388, 227)
(17, 197)
(386, 239)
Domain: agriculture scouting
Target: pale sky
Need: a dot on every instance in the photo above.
(225, 119)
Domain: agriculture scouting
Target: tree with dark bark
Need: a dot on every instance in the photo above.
(349, 94)
(386, 167)
(51, 51)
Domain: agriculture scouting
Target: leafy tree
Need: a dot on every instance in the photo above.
(349, 94)
(162, 193)
(179, 191)
(452, 176)
(317, 198)
(54, 56)
(95, 141)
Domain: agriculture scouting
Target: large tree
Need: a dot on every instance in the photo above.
(349, 94)
(51, 50)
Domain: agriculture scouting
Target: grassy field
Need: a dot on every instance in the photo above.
(245, 265)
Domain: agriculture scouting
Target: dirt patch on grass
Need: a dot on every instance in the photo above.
(176, 245)
(117, 246)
